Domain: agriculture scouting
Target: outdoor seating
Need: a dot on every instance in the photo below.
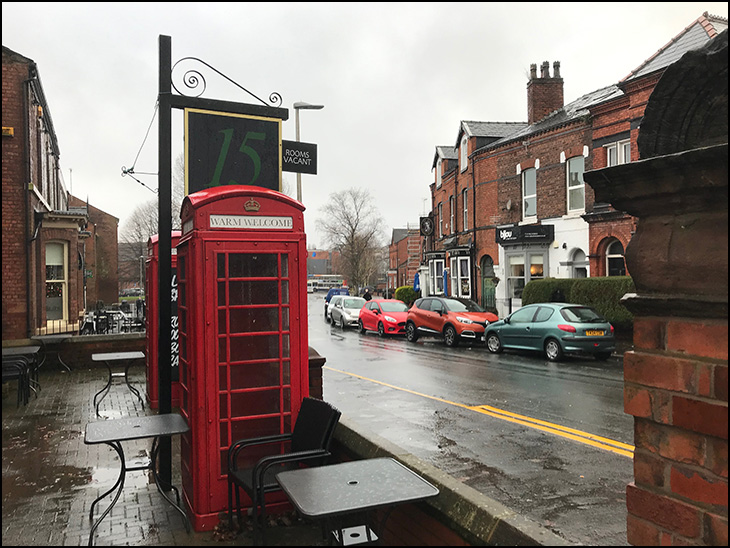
(16, 369)
(308, 444)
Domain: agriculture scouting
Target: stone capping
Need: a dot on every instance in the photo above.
(479, 520)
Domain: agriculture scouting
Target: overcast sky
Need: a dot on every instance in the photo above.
(395, 79)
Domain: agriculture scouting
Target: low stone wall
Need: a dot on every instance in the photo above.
(77, 350)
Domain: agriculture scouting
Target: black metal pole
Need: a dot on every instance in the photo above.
(165, 250)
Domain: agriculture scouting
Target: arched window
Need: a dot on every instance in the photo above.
(615, 264)
(463, 155)
(579, 265)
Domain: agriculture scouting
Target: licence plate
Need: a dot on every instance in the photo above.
(594, 333)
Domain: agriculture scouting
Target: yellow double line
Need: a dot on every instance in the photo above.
(593, 440)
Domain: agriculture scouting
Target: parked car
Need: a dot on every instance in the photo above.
(386, 316)
(555, 329)
(333, 291)
(452, 318)
(345, 310)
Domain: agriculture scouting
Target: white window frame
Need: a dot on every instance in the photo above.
(459, 277)
(572, 188)
(63, 281)
(526, 197)
(463, 153)
(439, 172)
(436, 271)
(618, 152)
(612, 256)
(465, 209)
(441, 219)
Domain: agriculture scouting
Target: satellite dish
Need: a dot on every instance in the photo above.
(509, 205)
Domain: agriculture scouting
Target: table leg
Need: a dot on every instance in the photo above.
(159, 482)
(132, 388)
(120, 482)
(105, 390)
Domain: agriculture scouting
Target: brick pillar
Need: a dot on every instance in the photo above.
(676, 378)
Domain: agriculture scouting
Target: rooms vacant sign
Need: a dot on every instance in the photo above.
(299, 157)
(231, 149)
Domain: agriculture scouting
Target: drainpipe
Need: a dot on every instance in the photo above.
(475, 276)
(26, 202)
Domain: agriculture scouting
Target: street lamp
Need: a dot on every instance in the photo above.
(297, 107)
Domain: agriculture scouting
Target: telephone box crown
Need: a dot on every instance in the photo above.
(251, 205)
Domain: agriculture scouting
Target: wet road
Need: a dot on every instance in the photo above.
(550, 441)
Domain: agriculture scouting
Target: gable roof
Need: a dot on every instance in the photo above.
(694, 36)
(444, 153)
(398, 235)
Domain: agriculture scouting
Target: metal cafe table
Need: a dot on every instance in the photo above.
(52, 344)
(112, 357)
(355, 487)
(114, 432)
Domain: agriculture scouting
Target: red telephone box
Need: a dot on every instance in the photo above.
(242, 277)
(152, 320)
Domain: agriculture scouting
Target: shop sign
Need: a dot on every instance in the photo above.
(525, 234)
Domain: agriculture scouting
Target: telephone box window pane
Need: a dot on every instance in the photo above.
(222, 378)
(253, 403)
(286, 372)
(249, 265)
(285, 319)
(222, 321)
(221, 293)
(224, 435)
(183, 346)
(181, 267)
(254, 428)
(221, 265)
(183, 322)
(222, 350)
(254, 292)
(257, 347)
(287, 400)
(255, 375)
(223, 412)
(284, 292)
(183, 302)
(285, 346)
(247, 320)
(284, 265)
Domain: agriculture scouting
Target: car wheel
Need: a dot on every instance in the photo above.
(494, 344)
(326, 317)
(360, 327)
(342, 322)
(553, 350)
(381, 329)
(450, 336)
(603, 356)
(411, 333)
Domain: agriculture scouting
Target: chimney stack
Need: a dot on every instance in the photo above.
(544, 94)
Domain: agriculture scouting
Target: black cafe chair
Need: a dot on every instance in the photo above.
(308, 444)
(15, 369)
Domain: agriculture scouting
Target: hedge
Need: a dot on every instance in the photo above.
(604, 294)
(406, 294)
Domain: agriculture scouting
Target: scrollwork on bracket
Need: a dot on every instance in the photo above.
(194, 80)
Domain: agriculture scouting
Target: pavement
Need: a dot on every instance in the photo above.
(50, 477)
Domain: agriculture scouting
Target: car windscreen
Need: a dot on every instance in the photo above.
(462, 305)
(393, 307)
(356, 302)
(581, 314)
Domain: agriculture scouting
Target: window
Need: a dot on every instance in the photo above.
(618, 153)
(523, 315)
(437, 276)
(439, 172)
(459, 275)
(463, 157)
(452, 214)
(536, 270)
(465, 210)
(576, 187)
(579, 264)
(615, 265)
(516, 276)
(522, 268)
(529, 193)
(56, 281)
(441, 220)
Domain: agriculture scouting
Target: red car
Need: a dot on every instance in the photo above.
(386, 316)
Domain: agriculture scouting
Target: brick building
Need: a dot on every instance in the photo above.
(45, 232)
(509, 203)
(404, 257)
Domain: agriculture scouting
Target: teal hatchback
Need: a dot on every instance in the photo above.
(555, 329)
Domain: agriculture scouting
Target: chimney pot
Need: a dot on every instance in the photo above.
(556, 69)
(545, 70)
(533, 71)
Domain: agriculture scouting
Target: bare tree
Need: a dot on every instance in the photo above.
(352, 225)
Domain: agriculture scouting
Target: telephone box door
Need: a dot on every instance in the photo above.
(255, 335)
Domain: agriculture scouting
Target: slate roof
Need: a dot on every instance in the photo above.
(398, 235)
(692, 37)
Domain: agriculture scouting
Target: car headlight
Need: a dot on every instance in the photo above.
(463, 320)
(389, 319)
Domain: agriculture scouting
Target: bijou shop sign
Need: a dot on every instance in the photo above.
(525, 234)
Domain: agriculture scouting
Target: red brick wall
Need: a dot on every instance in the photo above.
(14, 223)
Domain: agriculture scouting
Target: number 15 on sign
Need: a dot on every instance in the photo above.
(231, 149)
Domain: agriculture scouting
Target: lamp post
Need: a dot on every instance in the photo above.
(297, 107)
